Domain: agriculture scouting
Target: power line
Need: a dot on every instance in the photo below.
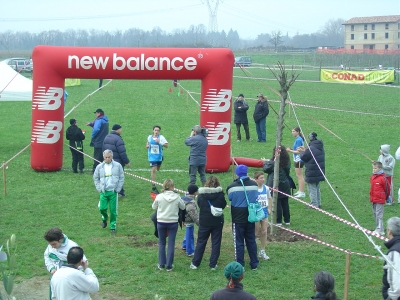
(89, 17)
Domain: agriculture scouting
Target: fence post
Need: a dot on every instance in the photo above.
(347, 277)
(4, 178)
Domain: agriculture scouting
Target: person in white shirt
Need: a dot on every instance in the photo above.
(69, 283)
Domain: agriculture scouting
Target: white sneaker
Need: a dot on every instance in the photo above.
(300, 195)
(263, 255)
(379, 232)
(192, 266)
(213, 269)
(279, 224)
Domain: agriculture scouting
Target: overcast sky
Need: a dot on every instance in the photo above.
(248, 17)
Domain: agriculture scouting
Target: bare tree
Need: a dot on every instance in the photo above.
(276, 39)
(6, 39)
(333, 31)
(285, 83)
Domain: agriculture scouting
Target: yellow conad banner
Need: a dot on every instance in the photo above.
(72, 81)
(378, 76)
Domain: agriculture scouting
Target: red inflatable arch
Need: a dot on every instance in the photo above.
(214, 67)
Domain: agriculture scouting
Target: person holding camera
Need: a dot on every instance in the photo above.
(197, 158)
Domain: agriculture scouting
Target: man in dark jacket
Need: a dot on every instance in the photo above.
(261, 112)
(234, 272)
(99, 132)
(240, 117)
(243, 230)
(314, 161)
(391, 277)
(197, 158)
(115, 143)
(75, 136)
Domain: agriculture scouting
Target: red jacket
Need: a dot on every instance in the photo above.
(377, 192)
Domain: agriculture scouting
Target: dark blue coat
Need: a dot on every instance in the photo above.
(115, 143)
(313, 173)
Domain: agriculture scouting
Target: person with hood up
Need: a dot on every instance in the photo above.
(240, 117)
(388, 163)
(167, 205)
(99, 132)
(314, 161)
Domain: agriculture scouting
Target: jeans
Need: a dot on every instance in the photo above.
(166, 259)
(261, 130)
(192, 173)
(245, 232)
(314, 193)
(188, 240)
(202, 238)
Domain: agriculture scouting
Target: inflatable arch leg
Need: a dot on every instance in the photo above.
(214, 67)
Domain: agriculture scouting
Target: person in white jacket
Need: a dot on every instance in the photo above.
(55, 255)
(69, 283)
(167, 204)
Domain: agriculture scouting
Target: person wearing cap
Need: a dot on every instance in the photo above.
(243, 230)
(75, 137)
(115, 143)
(99, 132)
(234, 273)
(109, 179)
(314, 161)
(191, 217)
(154, 146)
(197, 158)
(260, 114)
(240, 117)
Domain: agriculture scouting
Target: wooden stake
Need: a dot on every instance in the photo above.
(347, 277)
(4, 178)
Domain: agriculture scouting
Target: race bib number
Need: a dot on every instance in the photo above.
(155, 149)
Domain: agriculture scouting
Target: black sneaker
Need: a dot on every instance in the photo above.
(112, 231)
(103, 224)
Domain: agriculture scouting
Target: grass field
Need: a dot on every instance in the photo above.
(126, 263)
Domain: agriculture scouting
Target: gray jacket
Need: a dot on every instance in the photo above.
(198, 146)
(117, 178)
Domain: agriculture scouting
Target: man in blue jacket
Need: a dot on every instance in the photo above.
(197, 159)
(99, 132)
(243, 230)
(115, 143)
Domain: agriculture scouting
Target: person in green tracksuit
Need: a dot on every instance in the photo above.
(108, 179)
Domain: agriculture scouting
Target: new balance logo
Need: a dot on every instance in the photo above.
(47, 99)
(217, 101)
(218, 134)
(46, 133)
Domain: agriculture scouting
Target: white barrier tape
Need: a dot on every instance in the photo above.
(326, 244)
(335, 217)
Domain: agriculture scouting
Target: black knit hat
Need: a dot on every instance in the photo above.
(116, 127)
